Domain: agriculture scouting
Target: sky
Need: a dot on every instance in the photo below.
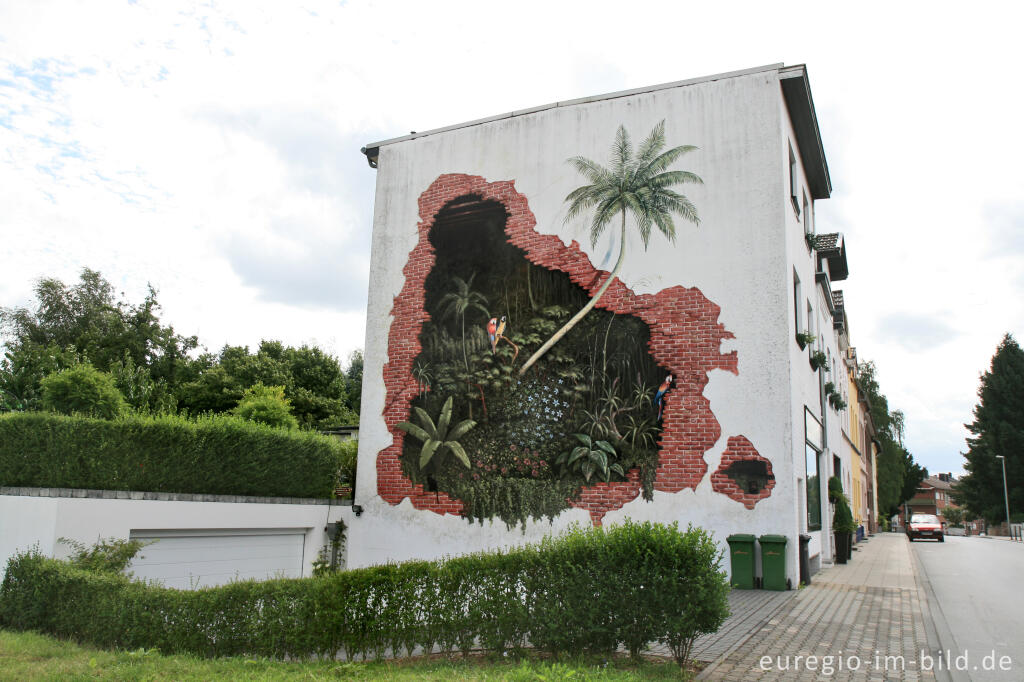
(212, 150)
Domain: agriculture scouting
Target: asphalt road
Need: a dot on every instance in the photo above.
(978, 583)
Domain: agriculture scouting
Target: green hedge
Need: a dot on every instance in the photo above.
(588, 591)
(218, 455)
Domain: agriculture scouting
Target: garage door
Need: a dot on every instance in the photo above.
(187, 559)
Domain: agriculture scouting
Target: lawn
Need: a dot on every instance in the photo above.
(30, 656)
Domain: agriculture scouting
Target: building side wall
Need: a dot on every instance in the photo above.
(805, 383)
(737, 258)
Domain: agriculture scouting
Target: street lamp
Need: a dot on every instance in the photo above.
(1006, 496)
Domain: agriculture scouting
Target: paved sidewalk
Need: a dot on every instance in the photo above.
(871, 614)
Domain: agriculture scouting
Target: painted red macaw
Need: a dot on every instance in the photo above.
(660, 395)
(492, 333)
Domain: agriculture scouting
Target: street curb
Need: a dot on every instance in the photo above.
(940, 637)
(743, 640)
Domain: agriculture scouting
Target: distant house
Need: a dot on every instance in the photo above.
(934, 494)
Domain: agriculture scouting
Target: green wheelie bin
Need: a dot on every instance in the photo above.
(741, 553)
(773, 562)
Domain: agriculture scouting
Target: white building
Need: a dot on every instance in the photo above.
(719, 309)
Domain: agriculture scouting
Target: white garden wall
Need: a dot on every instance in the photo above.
(34, 517)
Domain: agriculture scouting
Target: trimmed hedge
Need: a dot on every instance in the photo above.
(216, 455)
(585, 592)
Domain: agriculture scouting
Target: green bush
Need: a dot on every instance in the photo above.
(267, 405)
(842, 518)
(587, 591)
(349, 457)
(835, 489)
(219, 455)
(108, 555)
(82, 389)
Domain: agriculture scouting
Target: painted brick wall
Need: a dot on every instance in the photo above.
(685, 338)
(740, 449)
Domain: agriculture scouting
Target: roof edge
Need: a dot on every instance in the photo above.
(373, 148)
(796, 91)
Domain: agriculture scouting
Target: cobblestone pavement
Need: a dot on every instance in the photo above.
(865, 620)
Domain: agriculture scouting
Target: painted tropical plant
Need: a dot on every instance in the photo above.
(590, 457)
(460, 301)
(439, 438)
(639, 185)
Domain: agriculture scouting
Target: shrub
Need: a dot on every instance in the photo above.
(835, 488)
(842, 518)
(587, 591)
(82, 389)
(219, 455)
(349, 457)
(267, 405)
(110, 555)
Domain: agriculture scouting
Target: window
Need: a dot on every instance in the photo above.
(796, 302)
(793, 181)
(811, 327)
(808, 223)
(812, 450)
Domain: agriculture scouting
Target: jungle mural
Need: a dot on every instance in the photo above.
(523, 380)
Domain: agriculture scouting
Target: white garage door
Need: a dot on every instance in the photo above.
(187, 559)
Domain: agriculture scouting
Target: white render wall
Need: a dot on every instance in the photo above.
(34, 520)
(806, 389)
(739, 258)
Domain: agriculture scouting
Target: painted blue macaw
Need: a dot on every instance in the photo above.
(660, 395)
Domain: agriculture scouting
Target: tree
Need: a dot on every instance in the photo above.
(267, 405)
(155, 368)
(313, 382)
(354, 382)
(954, 516)
(636, 185)
(87, 323)
(997, 429)
(897, 474)
(82, 390)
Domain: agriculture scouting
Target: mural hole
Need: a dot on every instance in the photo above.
(751, 476)
(518, 445)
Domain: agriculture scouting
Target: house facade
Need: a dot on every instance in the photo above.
(933, 495)
(859, 441)
(687, 392)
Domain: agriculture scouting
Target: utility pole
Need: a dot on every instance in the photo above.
(1006, 495)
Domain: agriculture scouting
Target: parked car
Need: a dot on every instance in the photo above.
(925, 526)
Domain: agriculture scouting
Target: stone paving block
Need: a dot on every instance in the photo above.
(869, 609)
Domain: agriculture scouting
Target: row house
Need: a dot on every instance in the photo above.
(702, 366)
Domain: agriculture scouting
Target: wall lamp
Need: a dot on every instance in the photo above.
(357, 509)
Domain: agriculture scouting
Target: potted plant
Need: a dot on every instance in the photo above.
(836, 401)
(804, 338)
(818, 360)
(843, 525)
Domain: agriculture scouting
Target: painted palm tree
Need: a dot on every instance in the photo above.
(639, 185)
(461, 301)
